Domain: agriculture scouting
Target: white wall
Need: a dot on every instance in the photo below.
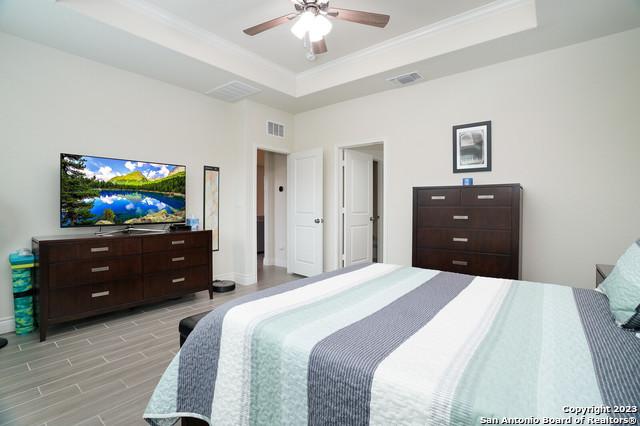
(52, 102)
(564, 126)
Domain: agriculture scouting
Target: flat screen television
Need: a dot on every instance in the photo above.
(99, 191)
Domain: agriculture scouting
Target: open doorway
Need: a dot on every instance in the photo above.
(361, 204)
(271, 213)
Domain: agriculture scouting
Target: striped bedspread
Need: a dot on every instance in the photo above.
(388, 345)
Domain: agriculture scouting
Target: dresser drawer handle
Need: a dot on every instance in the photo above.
(486, 197)
(460, 262)
(460, 240)
(177, 242)
(100, 294)
(438, 197)
(177, 259)
(99, 249)
(461, 218)
(100, 269)
(177, 280)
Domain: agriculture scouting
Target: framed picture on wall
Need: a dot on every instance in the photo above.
(211, 216)
(472, 147)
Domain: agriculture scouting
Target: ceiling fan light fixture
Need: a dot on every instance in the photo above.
(317, 26)
(321, 27)
(304, 23)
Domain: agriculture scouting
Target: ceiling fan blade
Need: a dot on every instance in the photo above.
(269, 24)
(319, 47)
(366, 18)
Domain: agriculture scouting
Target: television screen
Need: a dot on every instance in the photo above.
(97, 191)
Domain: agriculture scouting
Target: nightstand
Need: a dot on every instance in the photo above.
(602, 272)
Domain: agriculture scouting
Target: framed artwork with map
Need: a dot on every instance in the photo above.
(211, 217)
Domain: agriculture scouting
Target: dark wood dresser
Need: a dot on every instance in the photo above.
(473, 230)
(79, 276)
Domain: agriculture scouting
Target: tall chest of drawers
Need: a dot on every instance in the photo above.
(473, 230)
(84, 275)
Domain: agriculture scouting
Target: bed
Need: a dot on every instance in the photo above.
(389, 345)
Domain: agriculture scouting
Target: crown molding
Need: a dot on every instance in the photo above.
(167, 18)
(461, 19)
(144, 19)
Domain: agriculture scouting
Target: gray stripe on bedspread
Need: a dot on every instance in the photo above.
(198, 366)
(341, 366)
(615, 351)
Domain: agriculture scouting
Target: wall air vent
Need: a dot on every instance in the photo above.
(404, 79)
(275, 129)
(233, 91)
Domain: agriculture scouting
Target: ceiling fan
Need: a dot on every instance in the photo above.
(313, 25)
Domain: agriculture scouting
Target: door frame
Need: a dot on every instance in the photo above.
(253, 209)
(339, 190)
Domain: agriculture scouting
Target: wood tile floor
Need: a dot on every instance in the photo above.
(100, 371)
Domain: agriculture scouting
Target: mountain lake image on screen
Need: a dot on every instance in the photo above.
(99, 191)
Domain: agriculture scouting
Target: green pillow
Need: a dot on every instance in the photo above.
(622, 287)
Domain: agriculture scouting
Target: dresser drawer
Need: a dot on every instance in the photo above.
(493, 241)
(465, 217)
(486, 265)
(86, 298)
(439, 197)
(175, 259)
(177, 282)
(94, 249)
(182, 240)
(490, 196)
(71, 274)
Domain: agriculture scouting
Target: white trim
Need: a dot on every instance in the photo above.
(338, 149)
(7, 325)
(253, 207)
(238, 278)
(427, 31)
(268, 261)
(246, 279)
(177, 23)
(499, 18)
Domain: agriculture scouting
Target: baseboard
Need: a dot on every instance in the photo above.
(7, 325)
(246, 279)
(239, 278)
(268, 261)
(227, 276)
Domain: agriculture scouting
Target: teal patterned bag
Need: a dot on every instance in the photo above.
(23, 306)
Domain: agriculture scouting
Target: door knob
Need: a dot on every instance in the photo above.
(319, 220)
(371, 219)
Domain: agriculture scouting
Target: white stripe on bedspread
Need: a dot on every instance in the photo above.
(234, 366)
(405, 383)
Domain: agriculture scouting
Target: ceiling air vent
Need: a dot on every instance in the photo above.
(404, 79)
(233, 91)
(275, 129)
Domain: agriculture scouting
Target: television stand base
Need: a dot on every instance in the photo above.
(129, 230)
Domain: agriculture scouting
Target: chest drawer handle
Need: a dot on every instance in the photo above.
(460, 217)
(486, 197)
(99, 249)
(460, 262)
(177, 280)
(460, 240)
(177, 242)
(100, 294)
(100, 269)
(438, 197)
(177, 259)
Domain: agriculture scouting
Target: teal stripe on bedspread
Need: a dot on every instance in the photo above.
(279, 385)
(531, 363)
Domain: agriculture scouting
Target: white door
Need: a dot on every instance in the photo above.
(305, 220)
(358, 207)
